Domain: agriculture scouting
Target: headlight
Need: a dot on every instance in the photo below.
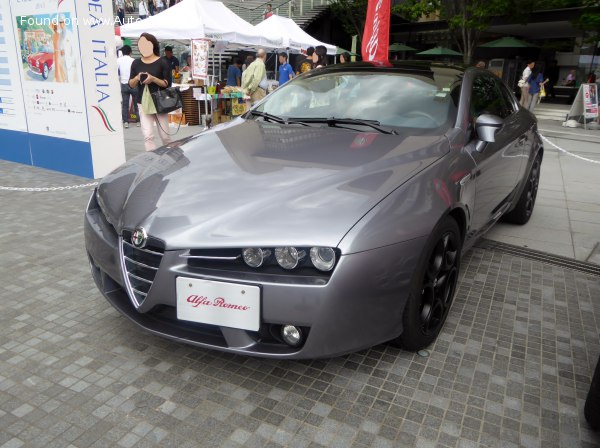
(255, 256)
(288, 257)
(101, 204)
(323, 258)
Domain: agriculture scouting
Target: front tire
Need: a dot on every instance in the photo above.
(433, 287)
(524, 208)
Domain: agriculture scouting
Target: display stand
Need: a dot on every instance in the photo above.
(585, 106)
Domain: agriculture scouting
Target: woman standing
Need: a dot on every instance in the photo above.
(344, 57)
(535, 81)
(319, 57)
(154, 72)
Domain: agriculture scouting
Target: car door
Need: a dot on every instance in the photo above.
(498, 164)
(519, 122)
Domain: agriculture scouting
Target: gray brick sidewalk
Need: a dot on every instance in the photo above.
(511, 368)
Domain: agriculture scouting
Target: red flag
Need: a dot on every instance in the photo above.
(376, 38)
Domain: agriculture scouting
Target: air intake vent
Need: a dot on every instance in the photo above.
(140, 267)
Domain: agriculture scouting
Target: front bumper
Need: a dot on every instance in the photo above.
(359, 306)
(34, 68)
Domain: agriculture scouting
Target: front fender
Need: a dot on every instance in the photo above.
(413, 210)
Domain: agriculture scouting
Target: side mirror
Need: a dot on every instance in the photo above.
(486, 126)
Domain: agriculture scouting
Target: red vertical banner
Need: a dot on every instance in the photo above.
(376, 38)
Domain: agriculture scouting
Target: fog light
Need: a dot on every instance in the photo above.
(291, 335)
(255, 256)
(288, 257)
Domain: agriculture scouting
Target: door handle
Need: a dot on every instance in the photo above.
(522, 139)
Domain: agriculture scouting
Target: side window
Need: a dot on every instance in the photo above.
(485, 98)
(509, 104)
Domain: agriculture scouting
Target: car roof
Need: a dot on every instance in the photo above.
(422, 68)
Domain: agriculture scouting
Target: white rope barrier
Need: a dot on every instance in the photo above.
(69, 187)
(570, 153)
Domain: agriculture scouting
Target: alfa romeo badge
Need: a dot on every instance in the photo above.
(139, 237)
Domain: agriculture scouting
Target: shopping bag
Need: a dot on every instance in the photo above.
(148, 105)
(167, 100)
(132, 115)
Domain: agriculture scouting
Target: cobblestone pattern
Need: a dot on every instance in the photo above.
(511, 368)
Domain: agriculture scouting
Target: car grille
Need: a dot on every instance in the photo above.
(140, 266)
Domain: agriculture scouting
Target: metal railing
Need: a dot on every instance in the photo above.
(286, 8)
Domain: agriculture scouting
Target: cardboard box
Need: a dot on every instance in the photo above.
(239, 108)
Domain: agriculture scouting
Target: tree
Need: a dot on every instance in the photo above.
(466, 18)
(352, 14)
(589, 21)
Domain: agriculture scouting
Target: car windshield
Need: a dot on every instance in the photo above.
(394, 100)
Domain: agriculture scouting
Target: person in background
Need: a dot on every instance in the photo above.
(285, 70)
(304, 64)
(160, 5)
(124, 68)
(151, 7)
(480, 64)
(319, 57)
(142, 10)
(268, 12)
(344, 57)
(571, 79)
(535, 81)
(255, 76)
(188, 61)
(249, 60)
(120, 5)
(523, 84)
(172, 60)
(154, 72)
(234, 73)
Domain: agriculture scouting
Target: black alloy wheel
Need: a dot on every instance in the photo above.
(524, 208)
(433, 287)
(533, 183)
(439, 284)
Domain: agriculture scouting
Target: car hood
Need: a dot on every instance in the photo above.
(36, 57)
(252, 183)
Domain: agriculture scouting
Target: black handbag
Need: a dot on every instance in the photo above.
(167, 100)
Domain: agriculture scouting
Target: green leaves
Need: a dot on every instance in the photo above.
(352, 14)
(414, 10)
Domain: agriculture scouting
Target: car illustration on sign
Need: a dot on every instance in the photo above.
(41, 63)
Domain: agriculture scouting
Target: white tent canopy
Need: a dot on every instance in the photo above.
(195, 19)
(285, 33)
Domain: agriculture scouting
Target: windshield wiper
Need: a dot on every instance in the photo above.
(335, 122)
(267, 116)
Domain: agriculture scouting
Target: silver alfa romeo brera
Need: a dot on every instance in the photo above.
(329, 218)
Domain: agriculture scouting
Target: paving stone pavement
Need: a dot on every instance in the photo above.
(511, 367)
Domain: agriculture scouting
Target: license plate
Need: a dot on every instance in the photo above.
(218, 303)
